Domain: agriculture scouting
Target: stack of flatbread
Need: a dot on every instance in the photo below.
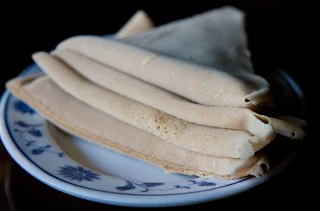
(182, 96)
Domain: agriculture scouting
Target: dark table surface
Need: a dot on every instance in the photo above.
(275, 33)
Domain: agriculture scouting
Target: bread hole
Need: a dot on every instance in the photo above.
(264, 167)
(293, 134)
(247, 100)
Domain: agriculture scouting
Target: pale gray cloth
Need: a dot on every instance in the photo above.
(215, 38)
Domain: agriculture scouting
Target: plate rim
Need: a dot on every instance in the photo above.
(125, 199)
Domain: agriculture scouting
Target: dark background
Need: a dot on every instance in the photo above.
(278, 31)
(279, 36)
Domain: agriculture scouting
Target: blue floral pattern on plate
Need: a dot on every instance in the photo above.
(146, 186)
(78, 173)
(30, 133)
(22, 107)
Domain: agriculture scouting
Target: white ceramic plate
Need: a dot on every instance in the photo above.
(74, 166)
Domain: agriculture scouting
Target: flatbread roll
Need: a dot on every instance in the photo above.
(203, 58)
(148, 94)
(198, 138)
(139, 22)
(80, 119)
(203, 85)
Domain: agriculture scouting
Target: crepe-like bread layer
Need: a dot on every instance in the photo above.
(202, 139)
(82, 120)
(139, 22)
(148, 94)
(200, 84)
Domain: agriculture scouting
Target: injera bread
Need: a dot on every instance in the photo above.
(148, 94)
(80, 119)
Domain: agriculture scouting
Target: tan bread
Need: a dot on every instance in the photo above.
(167, 102)
(139, 22)
(287, 128)
(80, 119)
(203, 85)
(206, 140)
